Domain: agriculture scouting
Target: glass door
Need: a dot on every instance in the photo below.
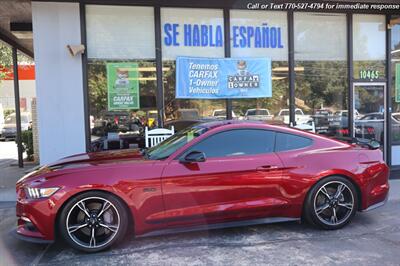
(369, 111)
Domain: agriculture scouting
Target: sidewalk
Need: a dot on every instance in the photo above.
(9, 170)
(9, 175)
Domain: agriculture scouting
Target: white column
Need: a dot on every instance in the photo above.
(59, 85)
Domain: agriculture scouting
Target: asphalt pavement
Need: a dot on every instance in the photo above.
(373, 238)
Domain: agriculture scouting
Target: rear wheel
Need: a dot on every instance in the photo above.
(93, 221)
(331, 203)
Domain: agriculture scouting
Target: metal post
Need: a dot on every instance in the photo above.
(388, 96)
(86, 111)
(160, 85)
(227, 46)
(292, 99)
(350, 74)
(17, 106)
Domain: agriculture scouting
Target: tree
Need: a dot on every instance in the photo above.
(5, 60)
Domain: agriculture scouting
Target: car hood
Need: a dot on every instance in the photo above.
(100, 157)
(78, 161)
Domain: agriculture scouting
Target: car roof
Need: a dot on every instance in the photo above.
(277, 124)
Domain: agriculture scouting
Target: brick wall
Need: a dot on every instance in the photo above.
(35, 131)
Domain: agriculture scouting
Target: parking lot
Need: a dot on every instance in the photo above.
(371, 239)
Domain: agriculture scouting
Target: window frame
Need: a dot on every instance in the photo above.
(180, 156)
(285, 133)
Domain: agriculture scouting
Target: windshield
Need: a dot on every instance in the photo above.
(258, 112)
(172, 144)
(284, 112)
(11, 119)
(341, 113)
(220, 113)
(299, 112)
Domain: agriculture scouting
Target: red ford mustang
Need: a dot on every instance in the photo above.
(211, 175)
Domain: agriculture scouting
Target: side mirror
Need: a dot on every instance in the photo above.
(374, 145)
(193, 157)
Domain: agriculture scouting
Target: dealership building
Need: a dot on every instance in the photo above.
(333, 64)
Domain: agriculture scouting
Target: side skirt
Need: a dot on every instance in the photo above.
(219, 226)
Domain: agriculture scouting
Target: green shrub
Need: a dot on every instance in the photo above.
(27, 143)
(7, 112)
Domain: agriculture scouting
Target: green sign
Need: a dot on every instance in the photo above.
(123, 86)
(397, 83)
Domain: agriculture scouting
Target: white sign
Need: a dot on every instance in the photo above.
(192, 32)
(259, 33)
(320, 37)
(120, 32)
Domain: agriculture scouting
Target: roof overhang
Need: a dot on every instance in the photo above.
(16, 25)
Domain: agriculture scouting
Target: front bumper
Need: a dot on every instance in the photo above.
(36, 219)
(25, 238)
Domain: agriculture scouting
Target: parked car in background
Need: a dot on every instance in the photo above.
(9, 130)
(300, 117)
(181, 124)
(187, 114)
(396, 116)
(340, 128)
(308, 126)
(377, 121)
(339, 122)
(221, 114)
(258, 115)
(212, 175)
(1, 118)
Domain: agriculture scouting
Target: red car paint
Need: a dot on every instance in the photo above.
(165, 194)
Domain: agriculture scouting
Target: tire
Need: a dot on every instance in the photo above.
(328, 209)
(85, 226)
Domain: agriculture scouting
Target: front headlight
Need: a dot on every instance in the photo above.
(37, 193)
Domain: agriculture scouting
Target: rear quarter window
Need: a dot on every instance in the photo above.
(287, 142)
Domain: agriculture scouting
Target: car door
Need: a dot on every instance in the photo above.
(236, 181)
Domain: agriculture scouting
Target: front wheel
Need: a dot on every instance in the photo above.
(93, 221)
(331, 203)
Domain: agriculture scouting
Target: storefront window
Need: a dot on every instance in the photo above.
(121, 75)
(321, 73)
(395, 54)
(369, 45)
(262, 34)
(196, 33)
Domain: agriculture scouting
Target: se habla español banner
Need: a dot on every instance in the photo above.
(223, 78)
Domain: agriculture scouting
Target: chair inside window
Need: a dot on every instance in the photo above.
(155, 136)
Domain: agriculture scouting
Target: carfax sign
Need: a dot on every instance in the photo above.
(123, 86)
(212, 78)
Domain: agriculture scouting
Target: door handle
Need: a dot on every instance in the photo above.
(267, 168)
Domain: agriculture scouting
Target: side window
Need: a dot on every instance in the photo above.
(236, 142)
(286, 142)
